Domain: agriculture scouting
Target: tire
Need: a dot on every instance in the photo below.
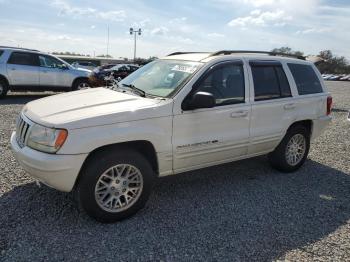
(3, 88)
(96, 169)
(81, 84)
(279, 157)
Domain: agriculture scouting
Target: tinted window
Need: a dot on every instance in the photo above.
(270, 82)
(21, 58)
(122, 69)
(265, 83)
(1, 52)
(226, 83)
(306, 79)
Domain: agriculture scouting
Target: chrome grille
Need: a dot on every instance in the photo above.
(22, 129)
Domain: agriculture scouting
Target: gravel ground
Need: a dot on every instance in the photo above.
(243, 211)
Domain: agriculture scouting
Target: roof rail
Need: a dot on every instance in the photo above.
(19, 48)
(229, 52)
(185, 53)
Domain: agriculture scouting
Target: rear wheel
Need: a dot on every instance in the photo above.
(81, 84)
(3, 88)
(115, 185)
(292, 152)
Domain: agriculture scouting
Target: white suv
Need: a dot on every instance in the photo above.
(30, 70)
(183, 112)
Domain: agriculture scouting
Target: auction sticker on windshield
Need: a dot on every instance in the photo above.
(185, 68)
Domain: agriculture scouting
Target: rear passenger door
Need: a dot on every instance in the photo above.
(273, 108)
(23, 70)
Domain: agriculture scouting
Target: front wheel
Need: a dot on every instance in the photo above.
(81, 84)
(115, 185)
(292, 152)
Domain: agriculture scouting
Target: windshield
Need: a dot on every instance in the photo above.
(161, 77)
(64, 62)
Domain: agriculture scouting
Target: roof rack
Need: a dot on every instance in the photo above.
(229, 52)
(19, 48)
(185, 53)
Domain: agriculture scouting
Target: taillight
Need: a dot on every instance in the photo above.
(329, 105)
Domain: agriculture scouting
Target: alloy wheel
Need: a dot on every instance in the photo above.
(295, 150)
(118, 188)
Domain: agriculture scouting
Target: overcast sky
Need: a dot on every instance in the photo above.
(180, 25)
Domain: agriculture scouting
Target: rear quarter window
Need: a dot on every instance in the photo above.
(306, 79)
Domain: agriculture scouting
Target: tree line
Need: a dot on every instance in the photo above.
(330, 63)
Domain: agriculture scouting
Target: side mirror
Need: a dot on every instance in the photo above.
(201, 100)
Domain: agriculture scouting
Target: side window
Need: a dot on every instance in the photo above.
(270, 82)
(122, 69)
(226, 83)
(47, 61)
(22, 58)
(306, 79)
(1, 52)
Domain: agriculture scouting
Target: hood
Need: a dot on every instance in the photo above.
(82, 69)
(90, 107)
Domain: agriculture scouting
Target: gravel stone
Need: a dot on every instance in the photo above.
(242, 211)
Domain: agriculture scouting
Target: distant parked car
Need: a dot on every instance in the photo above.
(327, 76)
(105, 76)
(345, 78)
(30, 70)
(86, 65)
(104, 67)
(335, 78)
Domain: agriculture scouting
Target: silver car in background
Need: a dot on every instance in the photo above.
(31, 70)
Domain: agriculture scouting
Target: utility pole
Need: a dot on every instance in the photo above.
(107, 39)
(135, 32)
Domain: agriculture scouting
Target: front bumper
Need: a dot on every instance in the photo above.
(57, 171)
(96, 82)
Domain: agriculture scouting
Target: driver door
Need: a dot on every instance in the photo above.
(53, 75)
(207, 136)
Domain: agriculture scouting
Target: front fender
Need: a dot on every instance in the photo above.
(157, 131)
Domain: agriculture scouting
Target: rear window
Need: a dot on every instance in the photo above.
(306, 79)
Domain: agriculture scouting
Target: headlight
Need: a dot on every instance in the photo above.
(46, 139)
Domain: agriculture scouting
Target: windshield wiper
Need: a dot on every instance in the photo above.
(135, 89)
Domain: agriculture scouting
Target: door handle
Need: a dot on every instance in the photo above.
(289, 106)
(13, 69)
(238, 114)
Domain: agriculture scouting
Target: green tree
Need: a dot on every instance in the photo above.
(333, 64)
(105, 56)
(287, 50)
